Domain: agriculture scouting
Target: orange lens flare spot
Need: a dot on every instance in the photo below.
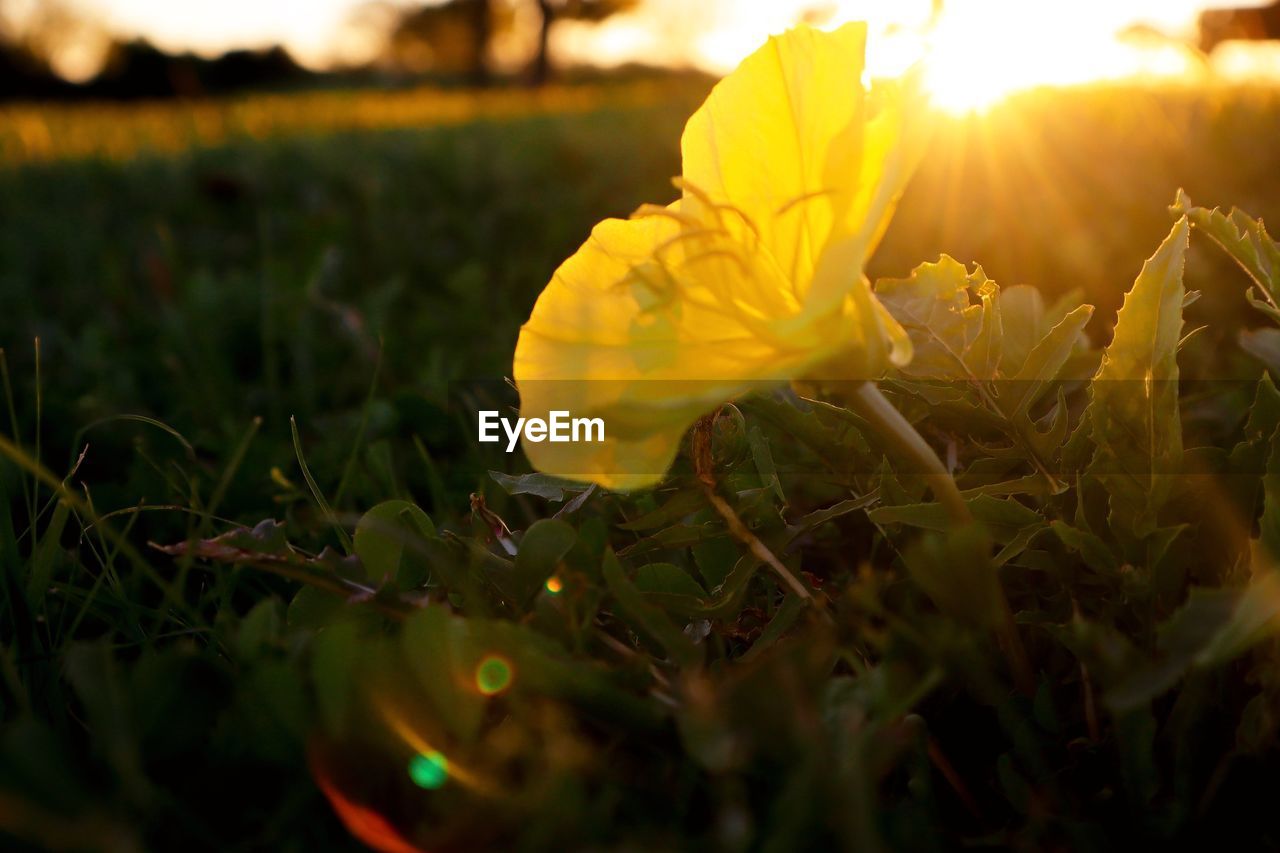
(493, 675)
(554, 585)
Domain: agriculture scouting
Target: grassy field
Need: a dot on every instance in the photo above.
(182, 287)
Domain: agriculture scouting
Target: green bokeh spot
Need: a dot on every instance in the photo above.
(493, 675)
(429, 770)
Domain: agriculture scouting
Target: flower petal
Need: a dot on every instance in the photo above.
(764, 139)
(793, 139)
(649, 326)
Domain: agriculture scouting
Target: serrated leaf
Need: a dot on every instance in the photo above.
(952, 337)
(817, 518)
(839, 448)
(1091, 548)
(1247, 462)
(1246, 241)
(984, 353)
(537, 484)
(1264, 418)
(1133, 406)
(1044, 362)
(1003, 518)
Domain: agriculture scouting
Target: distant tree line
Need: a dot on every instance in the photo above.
(454, 37)
(449, 40)
(136, 69)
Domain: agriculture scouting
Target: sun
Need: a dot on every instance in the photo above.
(977, 54)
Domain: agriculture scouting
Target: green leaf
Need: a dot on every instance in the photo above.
(334, 658)
(1044, 362)
(383, 533)
(764, 462)
(1091, 548)
(954, 569)
(985, 352)
(1246, 241)
(1211, 629)
(677, 536)
(679, 506)
(1249, 456)
(538, 485)
(817, 518)
(1003, 518)
(44, 560)
(1255, 617)
(647, 618)
(542, 548)
(952, 337)
(1022, 312)
(259, 629)
(1269, 526)
(786, 616)
(442, 655)
(1133, 406)
(668, 579)
(313, 608)
(715, 559)
(1262, 344)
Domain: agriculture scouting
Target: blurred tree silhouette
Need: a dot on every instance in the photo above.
(553, 10)
(450, 38)
(55, 52)
(25, 50)
(454, 38)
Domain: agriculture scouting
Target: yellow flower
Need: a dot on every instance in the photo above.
(791, 172)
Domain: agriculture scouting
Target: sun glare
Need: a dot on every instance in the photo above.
(976, 54)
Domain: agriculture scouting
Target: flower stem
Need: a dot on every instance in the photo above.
(868, 402)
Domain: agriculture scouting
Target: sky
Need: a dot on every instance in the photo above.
(712, 34)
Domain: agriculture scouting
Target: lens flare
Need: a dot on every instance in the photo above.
(429, 770)
(493, 675)
(554, 585)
